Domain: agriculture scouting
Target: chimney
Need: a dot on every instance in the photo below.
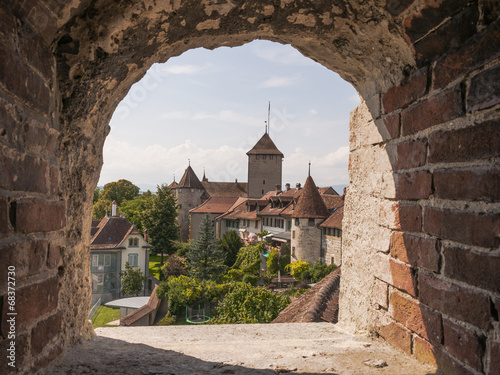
(343, 195)
(297, 185)
(287, 186)
(146, 235)
(113, 208)
(236, 181)
(278, 189)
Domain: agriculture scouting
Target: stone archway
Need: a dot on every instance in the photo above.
(425, 71)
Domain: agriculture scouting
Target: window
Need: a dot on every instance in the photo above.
(109, 238)
(289, 225)
(263, 182)
(133, 242)
(293, 251)
(293, 234)
(332, 261)
(270, 157)
(107, 260)
(257, 157)
(256, 223)
(132, 259)
(180, 206)
(297, 221)
(263, 157)
(310, 222)
(262, 191)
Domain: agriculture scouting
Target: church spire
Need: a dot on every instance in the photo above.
(309, 174)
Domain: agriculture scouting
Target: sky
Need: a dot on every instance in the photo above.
(210, 107)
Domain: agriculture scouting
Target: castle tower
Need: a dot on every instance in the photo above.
(190, 193)
(264, 167)
(309, 212)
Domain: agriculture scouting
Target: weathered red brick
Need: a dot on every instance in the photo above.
(44, 293)
(397, 335)
(417, 25)
(413, 185)
(392, 124)
(478, 50)
(494, 356)
(450, 365)
(440, 108)
(417, 317)
(478, 269)
(22, 81)
(480, 229)
(39, 215)
(403, 277)
(38, 139)
(417, 251)
(481, 141)
(450, 35)
(4, 217)
(411, 154)
(424, 351)
(44, 361)
(28, 257)
(484, 90)
(9, 126)
(22, 172)
(464, 344)
(410, 89)
(44, 332)
(38, 56)
(459, 302)
(408, 217)
(471, 183)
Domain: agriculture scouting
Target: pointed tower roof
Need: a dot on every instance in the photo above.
(310, 204)
(189, 180)
(265, 146)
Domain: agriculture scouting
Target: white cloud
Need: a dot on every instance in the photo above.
(228, 116)
(279, 81)
(184, 69)
(313, 112)
(282, 54)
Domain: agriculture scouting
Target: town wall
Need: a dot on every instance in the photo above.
(421, 223)
(332, 247)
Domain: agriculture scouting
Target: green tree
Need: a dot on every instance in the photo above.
(230, 244)
(119, 191)
(205, 260)
(134, 208)
(248, 304)
(319, 270)
(100, 208)
(97, 192)
(248, 259)
(174, 266)
(132, 280)
(299, 270)
(160, 218)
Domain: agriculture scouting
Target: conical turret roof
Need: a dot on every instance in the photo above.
(310, 204)
(265, 146)
(190, 180)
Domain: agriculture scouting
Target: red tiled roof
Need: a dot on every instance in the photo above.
(225, 189)
(215, 205)
(335, 219)
(265, 146)
(310, 204)
(111, 232)
(134, 316)
(327, 190)
(190, 180)
(320, 303)
(333, 201)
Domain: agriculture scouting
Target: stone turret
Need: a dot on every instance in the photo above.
(309, 212)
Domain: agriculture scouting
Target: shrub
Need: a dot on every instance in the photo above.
(248, 259)
(132, 280)
(276, 262)
(247, 304)
(174, 266)
(299, 270)
(230, 244)
(167, 320)
(319, 270)
(251, 279)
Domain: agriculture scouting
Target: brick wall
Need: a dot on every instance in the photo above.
(436, 283)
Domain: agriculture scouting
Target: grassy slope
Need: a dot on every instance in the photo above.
(105, 315)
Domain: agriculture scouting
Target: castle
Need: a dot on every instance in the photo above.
(307, 222)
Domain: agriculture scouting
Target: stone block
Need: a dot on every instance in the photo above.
(464, 344)
(379, 295)
(479, 229)
(437, 109)
(494, 355)
(22, 351)
(461, 303)
(481, 141)
(39, 215)
(397, 335)
(416, 317)
(403, 277)
(471, 183)
(410, 89)
(389, 125)
(44, 332)
(424, 351)
(4, 217)
(418, 251)
(478, 269)
(413, 185)
(28, 257)
(410, 154)
(484, 90)
(408, 217)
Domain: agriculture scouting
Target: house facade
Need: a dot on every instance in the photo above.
(114, 242)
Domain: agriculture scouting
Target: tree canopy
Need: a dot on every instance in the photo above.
(119, 191)
(132, 280)
(160, 218)
(230, 244)
(205, 259)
